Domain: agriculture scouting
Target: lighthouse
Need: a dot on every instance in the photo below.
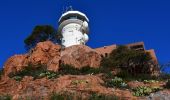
(73, 28)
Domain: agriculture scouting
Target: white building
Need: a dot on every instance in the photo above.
(73, 28)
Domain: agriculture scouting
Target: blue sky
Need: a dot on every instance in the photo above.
(111, 22)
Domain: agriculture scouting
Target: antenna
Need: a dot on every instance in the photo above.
(70, 8)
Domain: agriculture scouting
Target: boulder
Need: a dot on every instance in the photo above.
(80, 56)
(50, 55)
(44, 52)
(15, 63)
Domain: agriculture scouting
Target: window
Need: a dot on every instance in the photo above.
(106, 54)
(73, 17)
(63, 41)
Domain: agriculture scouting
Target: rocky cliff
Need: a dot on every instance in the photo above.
(23, 77)
(51, 55)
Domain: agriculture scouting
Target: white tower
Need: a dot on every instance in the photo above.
(73, 28)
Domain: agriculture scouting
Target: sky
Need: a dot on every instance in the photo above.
(111, 22)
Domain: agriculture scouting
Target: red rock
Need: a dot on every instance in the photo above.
(15, 63)
(80, 56)
(134, 84)
(44, 52)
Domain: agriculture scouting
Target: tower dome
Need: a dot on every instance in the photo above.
(73, 28)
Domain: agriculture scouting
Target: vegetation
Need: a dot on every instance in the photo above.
(5, 97)
(1, 72)
(76, 82)
(39, 34)
(124, 74)
(150, 81)
(96, 96)
(65, 96)
(68, 69)
(36, 71)
(116, 82)
(48, 74)
(72, 96)
(40, 71)
(144, 91)
(168, 84)
(135, 62)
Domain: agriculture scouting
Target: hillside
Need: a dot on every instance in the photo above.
(49, 72)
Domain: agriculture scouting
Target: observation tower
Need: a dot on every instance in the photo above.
(73, 28)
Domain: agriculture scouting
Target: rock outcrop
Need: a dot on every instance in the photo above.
(42, 88)
(15, 64)
(51, 55)
(80, 56)
(45, 53)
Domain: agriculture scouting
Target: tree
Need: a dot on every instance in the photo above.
(39, 34)
(133, 61)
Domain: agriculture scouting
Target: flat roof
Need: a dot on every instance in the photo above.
(68, 13)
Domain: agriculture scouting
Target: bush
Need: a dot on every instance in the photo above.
(5, 97)
(135, 62)
(36, 72)
(140, 77)
(17, 78)
(96, 96)
(39, 71)
(90, 70)
(65, 96)
(150, 81)
(116, 82)
(56, 96)
(144, 91)
(68, 69)
(76, 82)
(125, 75)
(1, 72)
(40, 33)
(168, 84)
(48, 74)
(74, 96)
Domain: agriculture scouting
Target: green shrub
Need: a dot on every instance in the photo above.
(36, 71)
(144, 91)
(5, 97)
(56, 96)
(128, 59)
(96, 96)
(75, 96)
(164, 76)
(17, 78)
(39, 71)
(124, 74)
(76, 82)
(65, 96)
(1, 72)
(90, 70)
(116, 82)
(150, 81)
(68, 69)
(109, 75)
(48, 74)
(168, 84)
